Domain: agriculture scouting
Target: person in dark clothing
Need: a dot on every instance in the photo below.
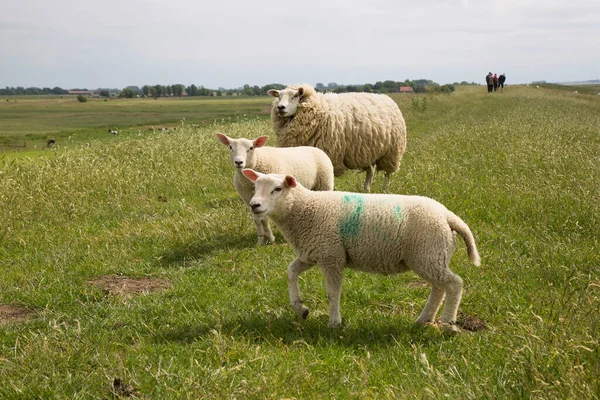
(501, 80)
(495, 82)
(489, 79)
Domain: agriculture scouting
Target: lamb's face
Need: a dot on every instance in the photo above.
(269, 191)
(241, 151)
(288, 101)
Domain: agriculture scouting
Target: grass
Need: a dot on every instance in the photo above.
(520, 167)
(27, 122)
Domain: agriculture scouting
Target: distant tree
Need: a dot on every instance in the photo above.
(104, 93)
(247, 90)
(81, 98)
(332, 86)
(57, 90)
(320, 86)
(127, 93)
(192, 90)
(146, 90)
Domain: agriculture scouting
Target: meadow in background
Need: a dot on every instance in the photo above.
(522, 169)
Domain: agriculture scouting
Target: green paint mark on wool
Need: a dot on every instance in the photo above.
(350, 223)
(397, 213)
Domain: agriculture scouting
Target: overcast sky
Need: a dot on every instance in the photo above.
(228, 43)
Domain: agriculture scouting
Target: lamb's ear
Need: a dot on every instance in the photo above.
(260, 141)
(289, 181)
(273, 92)
(223, 139)
(251, 174)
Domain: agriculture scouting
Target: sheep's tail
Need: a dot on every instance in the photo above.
(458, 225)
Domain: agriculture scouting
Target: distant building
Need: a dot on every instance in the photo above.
(406, 89)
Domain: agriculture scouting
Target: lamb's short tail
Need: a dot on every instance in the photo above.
(458, 225)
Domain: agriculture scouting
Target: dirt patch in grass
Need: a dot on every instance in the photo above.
(127, 287)
(13, 313)
(471, 323)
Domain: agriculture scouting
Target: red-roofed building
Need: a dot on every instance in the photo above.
(406, 89)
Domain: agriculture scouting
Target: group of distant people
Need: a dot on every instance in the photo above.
(494, 82)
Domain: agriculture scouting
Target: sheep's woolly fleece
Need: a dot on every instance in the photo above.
(356, 130)
(386, 234)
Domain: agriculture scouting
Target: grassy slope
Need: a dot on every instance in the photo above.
(521, 168)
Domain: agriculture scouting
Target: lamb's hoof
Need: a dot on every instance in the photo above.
(334, 324)
(450, 327)
(423, 322)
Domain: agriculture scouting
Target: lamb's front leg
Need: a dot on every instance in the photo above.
(263, 229)
(294, 270)
(333, 283)
(267, 232)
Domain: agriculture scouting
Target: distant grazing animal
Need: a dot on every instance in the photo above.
(311, 165)
(356, 130)
(50, 142)
(386, 234)
(113, 131)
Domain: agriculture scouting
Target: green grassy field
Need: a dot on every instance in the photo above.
(520, 167)
(27, 122)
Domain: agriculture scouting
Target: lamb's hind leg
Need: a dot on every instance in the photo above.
(433, 305)
(294, 270)
(443, 280)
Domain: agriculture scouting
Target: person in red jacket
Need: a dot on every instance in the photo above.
(495, 82)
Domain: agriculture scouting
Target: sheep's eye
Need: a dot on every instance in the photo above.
(277, 189)
(230, 148)
(251, 148)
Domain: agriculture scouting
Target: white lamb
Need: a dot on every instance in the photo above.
(386, 234)
(356, 130)
(311, 165)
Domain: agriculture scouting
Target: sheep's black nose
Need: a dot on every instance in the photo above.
(254, 206)
(280, 108)
(238, 163)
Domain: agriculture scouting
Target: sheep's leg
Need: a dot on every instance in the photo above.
(267, 232)
(369, 179)
(453, 285)
(333, 283)
(433, 305)
(259, 230)
(294, 270)
(386, 183)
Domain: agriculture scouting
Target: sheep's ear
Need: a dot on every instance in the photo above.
(289, 181)
(223, 139)
(305, 90)
(273, 92)
(251, 174)
(260, 141)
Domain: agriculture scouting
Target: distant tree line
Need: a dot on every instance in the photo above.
(21, 91)
(178, 90)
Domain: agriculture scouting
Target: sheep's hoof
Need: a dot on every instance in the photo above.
(450, 327)
(334, 324)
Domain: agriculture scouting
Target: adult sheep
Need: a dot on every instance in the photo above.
(382, 233)
(356, 130)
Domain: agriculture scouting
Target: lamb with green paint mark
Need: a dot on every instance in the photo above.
(380, 233)
(311, 165)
